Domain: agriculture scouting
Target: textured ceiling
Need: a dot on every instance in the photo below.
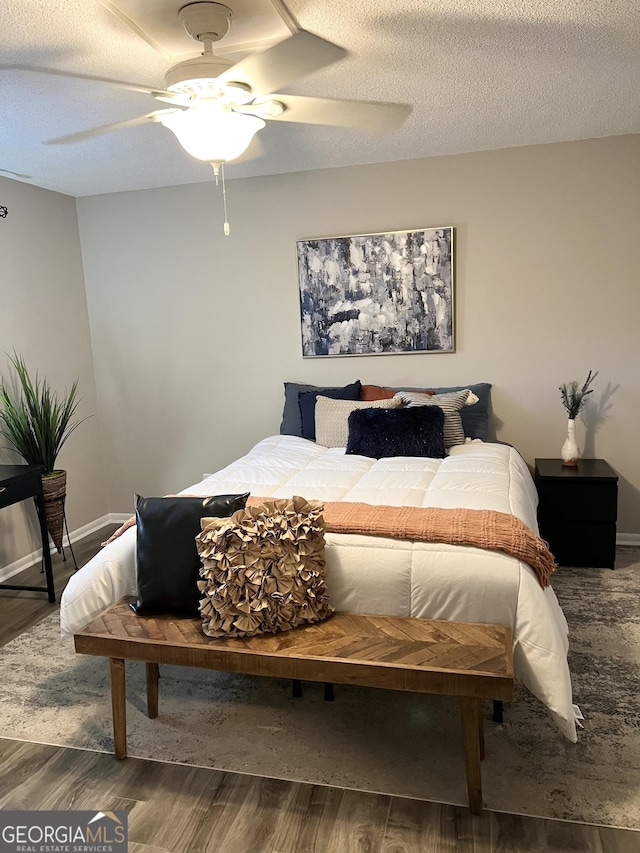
(480, 74)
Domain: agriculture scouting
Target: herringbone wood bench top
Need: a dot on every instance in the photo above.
(455, 658)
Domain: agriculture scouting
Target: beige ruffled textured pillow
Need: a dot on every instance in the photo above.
(263, 569)
(332, 417)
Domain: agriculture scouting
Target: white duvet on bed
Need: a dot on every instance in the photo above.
(389, 576)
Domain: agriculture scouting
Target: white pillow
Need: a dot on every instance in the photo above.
(450, 403)
(332, 416)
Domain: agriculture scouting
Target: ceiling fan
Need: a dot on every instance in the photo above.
(216, 107)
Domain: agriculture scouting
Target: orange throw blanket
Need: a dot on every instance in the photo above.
(480, 528)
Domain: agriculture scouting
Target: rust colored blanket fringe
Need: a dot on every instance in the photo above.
(480, 528)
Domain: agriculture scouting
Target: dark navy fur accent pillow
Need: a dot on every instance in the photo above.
(411, 431)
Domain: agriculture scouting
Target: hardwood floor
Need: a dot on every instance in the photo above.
(179, 808)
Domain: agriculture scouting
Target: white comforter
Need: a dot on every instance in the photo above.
(395, 577)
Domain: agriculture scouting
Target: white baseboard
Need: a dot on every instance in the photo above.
(629, 539)
(121, 517)
(35, 557)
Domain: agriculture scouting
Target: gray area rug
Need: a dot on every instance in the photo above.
(373, 740)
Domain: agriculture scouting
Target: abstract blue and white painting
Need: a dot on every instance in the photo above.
(377, 294)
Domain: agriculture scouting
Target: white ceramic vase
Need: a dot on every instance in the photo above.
(570, 452)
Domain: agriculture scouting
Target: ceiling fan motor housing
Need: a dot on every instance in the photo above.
(199, 68)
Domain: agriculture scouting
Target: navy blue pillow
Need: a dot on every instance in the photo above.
(291, 418)
(308, 404)
(410, 431)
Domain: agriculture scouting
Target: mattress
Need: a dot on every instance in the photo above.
(390, 576)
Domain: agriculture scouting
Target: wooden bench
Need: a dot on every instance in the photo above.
(467, 660)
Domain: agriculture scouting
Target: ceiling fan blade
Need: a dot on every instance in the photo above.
(107, 128)
(54, 72)
(374, 116)
(15, 174)
(178, 99)
(277, 66)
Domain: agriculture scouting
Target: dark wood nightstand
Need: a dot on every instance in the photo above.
(577, 511)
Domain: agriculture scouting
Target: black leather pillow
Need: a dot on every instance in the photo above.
(411, 431)
(168, 564)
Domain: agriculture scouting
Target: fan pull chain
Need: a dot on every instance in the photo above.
(226, 227)
(216, 171)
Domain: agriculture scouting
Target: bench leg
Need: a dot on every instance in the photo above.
(152, 690)
(497, 711)
(118, 707)
(471, 725)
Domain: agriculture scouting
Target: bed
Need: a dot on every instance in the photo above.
(374, 574)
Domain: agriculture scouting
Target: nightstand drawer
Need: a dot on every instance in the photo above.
(581, 544)
(579, 501)
(20, 487)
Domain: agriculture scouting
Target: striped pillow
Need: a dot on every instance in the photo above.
(450, 405)
(332, 416)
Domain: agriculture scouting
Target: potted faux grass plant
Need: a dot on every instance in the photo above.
(37, 421)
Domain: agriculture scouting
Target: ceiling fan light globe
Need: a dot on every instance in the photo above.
(213, 135)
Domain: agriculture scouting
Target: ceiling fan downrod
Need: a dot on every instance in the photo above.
(207, 23)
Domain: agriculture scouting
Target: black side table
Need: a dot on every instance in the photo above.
(577, 511)
(17, 483)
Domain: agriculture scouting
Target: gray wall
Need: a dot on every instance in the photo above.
(43, 316)
(194, 333)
